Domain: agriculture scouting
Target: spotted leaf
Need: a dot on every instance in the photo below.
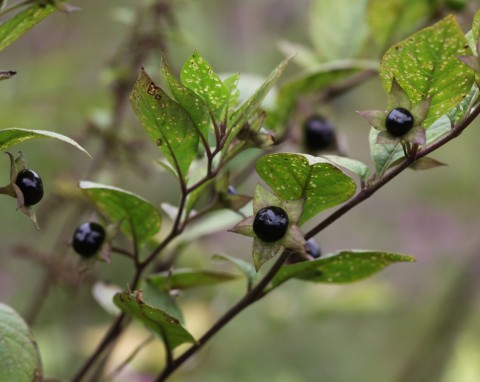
(167, 124)
(426, 65)
(159, 322)
(297, 176)
(340, 267)
(198, 76)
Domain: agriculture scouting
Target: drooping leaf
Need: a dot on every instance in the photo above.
(339, 267)
(19, 357)
(14, 135)
(392, 20)
(426, 66)
(296, 176)
(161, 299)
(137, 216)
(338, 29)
(166, 122)
(251, 107)
(193, 104)
(17, 26)
(167, 327)
(198, 76)
(184, 278)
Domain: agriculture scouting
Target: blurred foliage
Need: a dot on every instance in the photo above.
(66, 69)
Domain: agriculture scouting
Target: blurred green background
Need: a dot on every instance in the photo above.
(409, 322)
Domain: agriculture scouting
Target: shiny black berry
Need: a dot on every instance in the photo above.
(270, 224)
(31, 185)
(313, 249)
(88, 238)
(231, 190)
(319, 133)
(399, 121)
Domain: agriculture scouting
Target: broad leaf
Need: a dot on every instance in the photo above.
(198, 76)
(193, 104)
(251, 107)
(137, 216)
(184, 278)
(338, 29)
(339, 267)
(296, 176)
(392, 20)
(161, 299)
(13, 136)
(19, 357)
(21, 23)
(168, 125)
(426, 66)
(167, 327)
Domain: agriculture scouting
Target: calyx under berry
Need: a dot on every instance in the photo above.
(270, 223)
(88, 238)
(399, 121)
(31, 185)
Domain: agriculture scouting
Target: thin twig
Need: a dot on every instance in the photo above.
(258, 291)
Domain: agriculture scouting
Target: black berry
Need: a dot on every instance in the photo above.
(232, 190)
(313, 248)
(88, 239)
(319, 133)
(31, 185)
(399, 121)
(270, 224)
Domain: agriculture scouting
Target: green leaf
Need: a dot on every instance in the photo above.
(251, 107)
(13, 136)
(355, 166)
(426, 65)
(21, 23)
(392, 20)
(338, 29)
(296, 176)
(198, 76)
(384, 155)
(339, 267)
(184, 278)
(245, 267)
(19, 357)
(313, 80)
(167, 327)
(459, 112)
(138, 217)
(167, 124)
(193, 104)
(161, 299)
(231, 84)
